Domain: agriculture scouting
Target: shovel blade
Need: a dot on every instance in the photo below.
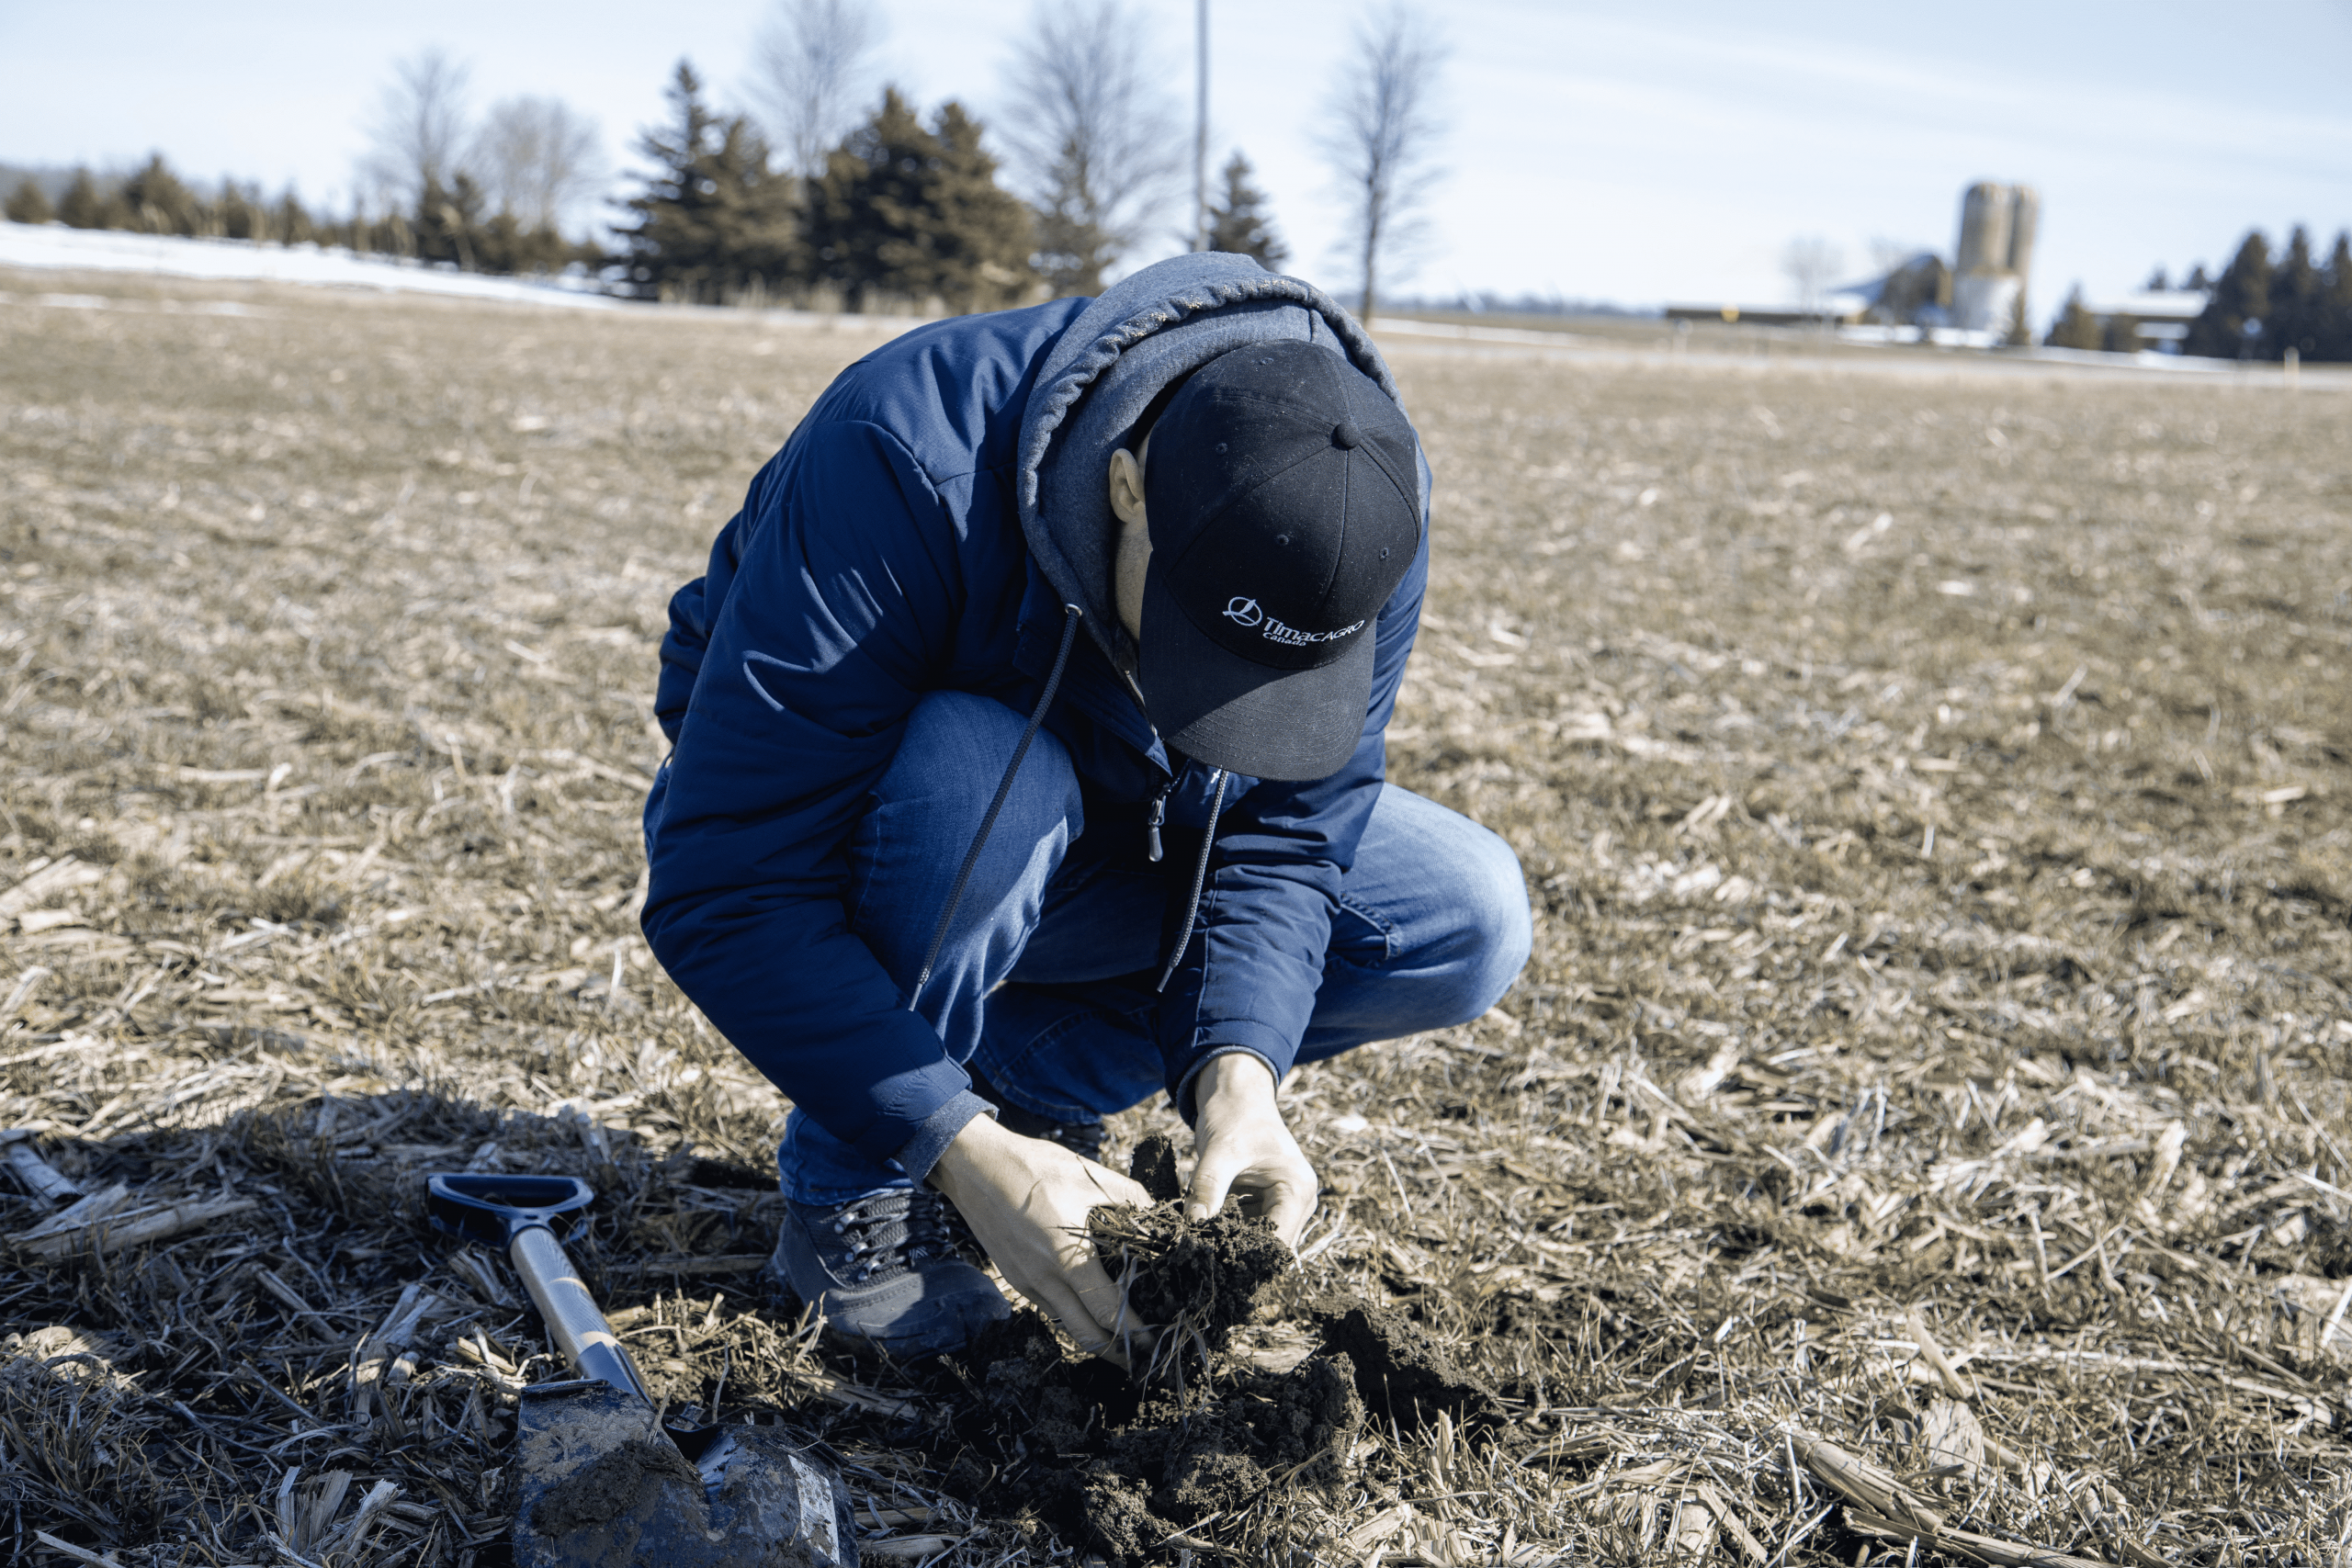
(602, 1487)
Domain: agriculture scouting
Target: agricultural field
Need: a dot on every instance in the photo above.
(1920, 1135)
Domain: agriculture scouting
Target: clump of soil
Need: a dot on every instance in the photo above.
(614, 1483)
(1153, 1167)
(1114, 1463)
(1184, 1277)
(1403, 1371)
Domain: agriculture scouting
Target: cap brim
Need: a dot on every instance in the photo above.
(1289, 725)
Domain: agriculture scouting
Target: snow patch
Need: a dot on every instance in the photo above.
(53, 245)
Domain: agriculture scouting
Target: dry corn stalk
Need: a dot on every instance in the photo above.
(1864, 1485)
(39, 1177)
(1880, 1506)
(133, 1229)
(1968, 1543)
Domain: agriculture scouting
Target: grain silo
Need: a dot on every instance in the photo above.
(1995, 254)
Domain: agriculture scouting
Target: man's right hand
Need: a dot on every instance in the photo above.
(1027, 1200)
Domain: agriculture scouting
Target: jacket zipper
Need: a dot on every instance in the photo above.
(1159, 816)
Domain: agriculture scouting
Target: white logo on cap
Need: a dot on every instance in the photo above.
(1243, 610)
(1290, 637)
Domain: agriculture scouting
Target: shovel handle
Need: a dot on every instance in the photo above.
(578, 1329)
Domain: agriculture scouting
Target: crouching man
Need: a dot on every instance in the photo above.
(1027, 732)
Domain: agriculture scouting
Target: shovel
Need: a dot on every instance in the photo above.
(603, 1482)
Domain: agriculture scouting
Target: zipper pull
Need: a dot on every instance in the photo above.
(1151, 824)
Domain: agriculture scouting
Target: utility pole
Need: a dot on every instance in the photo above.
(1201, 131)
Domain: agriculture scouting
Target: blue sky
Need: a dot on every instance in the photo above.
(1635, 153)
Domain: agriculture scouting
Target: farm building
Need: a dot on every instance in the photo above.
(2151, 318)
(1994, 256)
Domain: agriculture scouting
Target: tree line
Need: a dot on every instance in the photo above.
(902, 212)
(883, 205)
(2262, 305)
(835, 188)
(438, 184)
(446, 224)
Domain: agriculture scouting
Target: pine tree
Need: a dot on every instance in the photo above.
(2229, 329)
(2021, 332)
(1073, 247)
(2076, 327)
(238, 214)
(158, 203)
(2297, 302)
(290, 223)
(29, 204)
(449, 220)
(82, 207)
(2335, 316)
(1238, 221)
(981, 260)
(715, 220)
(506, 245)
(914, 213)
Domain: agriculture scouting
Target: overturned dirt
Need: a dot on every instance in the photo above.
(616, 1483)
(1187, 1279)
(1405, 1373)
(1122, 1463)
(1118, 1466)
(1153, 1167)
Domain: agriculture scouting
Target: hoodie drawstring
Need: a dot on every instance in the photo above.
(1200, 879)
(1004, 788)
(1072, 615)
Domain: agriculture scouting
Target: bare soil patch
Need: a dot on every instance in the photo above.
(1924, 1118)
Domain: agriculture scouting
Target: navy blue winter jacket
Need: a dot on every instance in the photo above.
(921, 530)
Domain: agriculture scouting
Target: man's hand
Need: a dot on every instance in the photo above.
(1246, 1150)
(1027, 1200)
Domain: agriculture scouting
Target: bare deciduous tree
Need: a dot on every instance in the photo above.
(1812, 265)
(1382, 135)
(417, 136)
(536, 157)
(1091, 137)
(810, 70)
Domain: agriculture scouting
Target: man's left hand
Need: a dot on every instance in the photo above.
(1246, 1150)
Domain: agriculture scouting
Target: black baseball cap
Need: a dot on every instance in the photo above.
(1284, 503)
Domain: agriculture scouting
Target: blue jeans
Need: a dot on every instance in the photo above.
(1043, 985)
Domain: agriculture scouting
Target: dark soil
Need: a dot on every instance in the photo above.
(611, 1484)
(1117, 1467)
(1190, 1278)
(1403, 1371)
(1153, 1167)
(1117, 1461)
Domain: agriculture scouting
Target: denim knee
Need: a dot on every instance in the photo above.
(953, 755)
(925, 816)
(1494, 929)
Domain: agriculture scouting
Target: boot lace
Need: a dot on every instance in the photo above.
(888, 1234)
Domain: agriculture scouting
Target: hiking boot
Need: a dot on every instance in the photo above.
(890, 1272)
(1083, 1139)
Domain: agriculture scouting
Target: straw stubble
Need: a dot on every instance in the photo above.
(1933, 1053)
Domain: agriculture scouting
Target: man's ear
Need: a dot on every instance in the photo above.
(1127, 487)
